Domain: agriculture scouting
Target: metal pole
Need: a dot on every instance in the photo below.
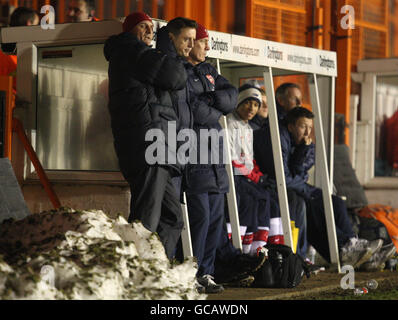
(231, 195)
(186, 233)
(331, 140)
(278, 162)
(323, 172)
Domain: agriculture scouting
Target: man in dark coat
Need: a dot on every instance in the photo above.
(176, 39)
(141, 86)
(298, 156)
(206, 182)
(288, 95)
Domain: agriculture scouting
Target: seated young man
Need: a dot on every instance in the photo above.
(297, 206)
(261, 118)
(298, 154)
(259, 215)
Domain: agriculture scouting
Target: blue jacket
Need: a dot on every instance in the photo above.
(297, 159)
(211, 97)
(258, 122)
(181, 97)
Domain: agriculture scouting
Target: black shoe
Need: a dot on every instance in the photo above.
(209, 285)
(313, 268)
(199, 288)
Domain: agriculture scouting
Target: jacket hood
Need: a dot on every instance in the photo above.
(116, 42)
(164, 43)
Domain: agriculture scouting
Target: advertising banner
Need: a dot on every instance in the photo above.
(220, 45)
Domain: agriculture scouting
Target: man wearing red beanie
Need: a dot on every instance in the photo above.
(141, 25)
(211, 96)
(142, 85)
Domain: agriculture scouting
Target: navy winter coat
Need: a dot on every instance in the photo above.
(180, 97)
(297, 159)
(141, 83)
(211, 97)
(258, 122)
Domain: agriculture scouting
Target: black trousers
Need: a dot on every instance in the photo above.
(206, 216)
(316, 223)
(155, 202)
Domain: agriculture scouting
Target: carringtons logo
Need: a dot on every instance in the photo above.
(274, 54)
(326, 63)
(218, 45)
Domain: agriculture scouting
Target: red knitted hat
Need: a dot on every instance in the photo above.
(133, 19)
(201, 32)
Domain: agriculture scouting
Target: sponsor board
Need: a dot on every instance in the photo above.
(248, 50)
(302, 59)
(273, 54)
(220, 45)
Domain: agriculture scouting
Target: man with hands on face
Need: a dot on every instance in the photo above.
(298, 154)
(142, 85)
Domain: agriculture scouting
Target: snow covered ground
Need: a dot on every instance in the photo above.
(68, 254)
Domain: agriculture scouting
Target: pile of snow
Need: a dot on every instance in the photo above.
(68, 254)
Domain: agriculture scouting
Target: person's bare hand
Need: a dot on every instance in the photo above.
(307, 141)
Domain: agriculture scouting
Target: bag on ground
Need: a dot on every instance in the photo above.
(282, 269)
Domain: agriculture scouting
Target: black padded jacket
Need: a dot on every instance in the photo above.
(141, 83)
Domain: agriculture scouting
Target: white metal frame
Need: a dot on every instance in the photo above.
(28, 40)
(326, 183)
(277, 153)
(368, 71)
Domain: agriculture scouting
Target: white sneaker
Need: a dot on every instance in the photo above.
(357, 251)
(378, 259)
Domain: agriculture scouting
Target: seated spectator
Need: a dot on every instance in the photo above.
(297, 207)
(260, 119)
(259, 215)
(298, 157)
(21, 16)
(80, 11)
(288, 95)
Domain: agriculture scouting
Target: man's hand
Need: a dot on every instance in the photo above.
(263, 182)
(307, 141)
